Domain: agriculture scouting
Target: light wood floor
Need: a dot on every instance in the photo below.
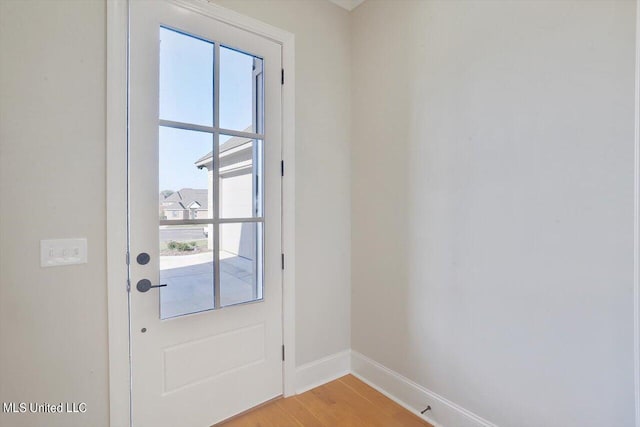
(346, 401)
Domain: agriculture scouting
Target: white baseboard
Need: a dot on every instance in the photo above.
(412, 396)
(402, 390)
(322, 371)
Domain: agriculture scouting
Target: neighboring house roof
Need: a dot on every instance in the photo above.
(187, 198)
(226, 148)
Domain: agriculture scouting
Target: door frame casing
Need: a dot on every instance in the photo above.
(116, 156)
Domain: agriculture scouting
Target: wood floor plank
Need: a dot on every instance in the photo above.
(345, 402)
(388, 406)
(324, 407)
(297, 410)
(346, 398)
(267, 416)
(375, 408)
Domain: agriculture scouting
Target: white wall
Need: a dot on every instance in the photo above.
(322, 168)
(492, 204)
(53, 322)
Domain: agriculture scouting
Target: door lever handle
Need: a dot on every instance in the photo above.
(144, 285)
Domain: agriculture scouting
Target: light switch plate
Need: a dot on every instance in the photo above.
(57, 252)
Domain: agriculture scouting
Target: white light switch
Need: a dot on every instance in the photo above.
(63, 252)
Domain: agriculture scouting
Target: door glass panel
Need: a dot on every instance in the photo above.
(241, 91)
(208, 257)
(240, 262)
(185, 176)
(186, 267)
(186, 251)
(240, 184)
(186, 78)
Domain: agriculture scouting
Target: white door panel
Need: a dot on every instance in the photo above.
(199, 355)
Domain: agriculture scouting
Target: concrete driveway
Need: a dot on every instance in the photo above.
(189, 280)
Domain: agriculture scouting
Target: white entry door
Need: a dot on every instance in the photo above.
(204, 216)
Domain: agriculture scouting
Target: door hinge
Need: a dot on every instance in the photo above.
(128, 285)
(282, 76)
(283, 352)
(282, 261)
(128, 258)
(281, 167)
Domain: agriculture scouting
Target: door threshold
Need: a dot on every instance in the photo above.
(238, 415)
